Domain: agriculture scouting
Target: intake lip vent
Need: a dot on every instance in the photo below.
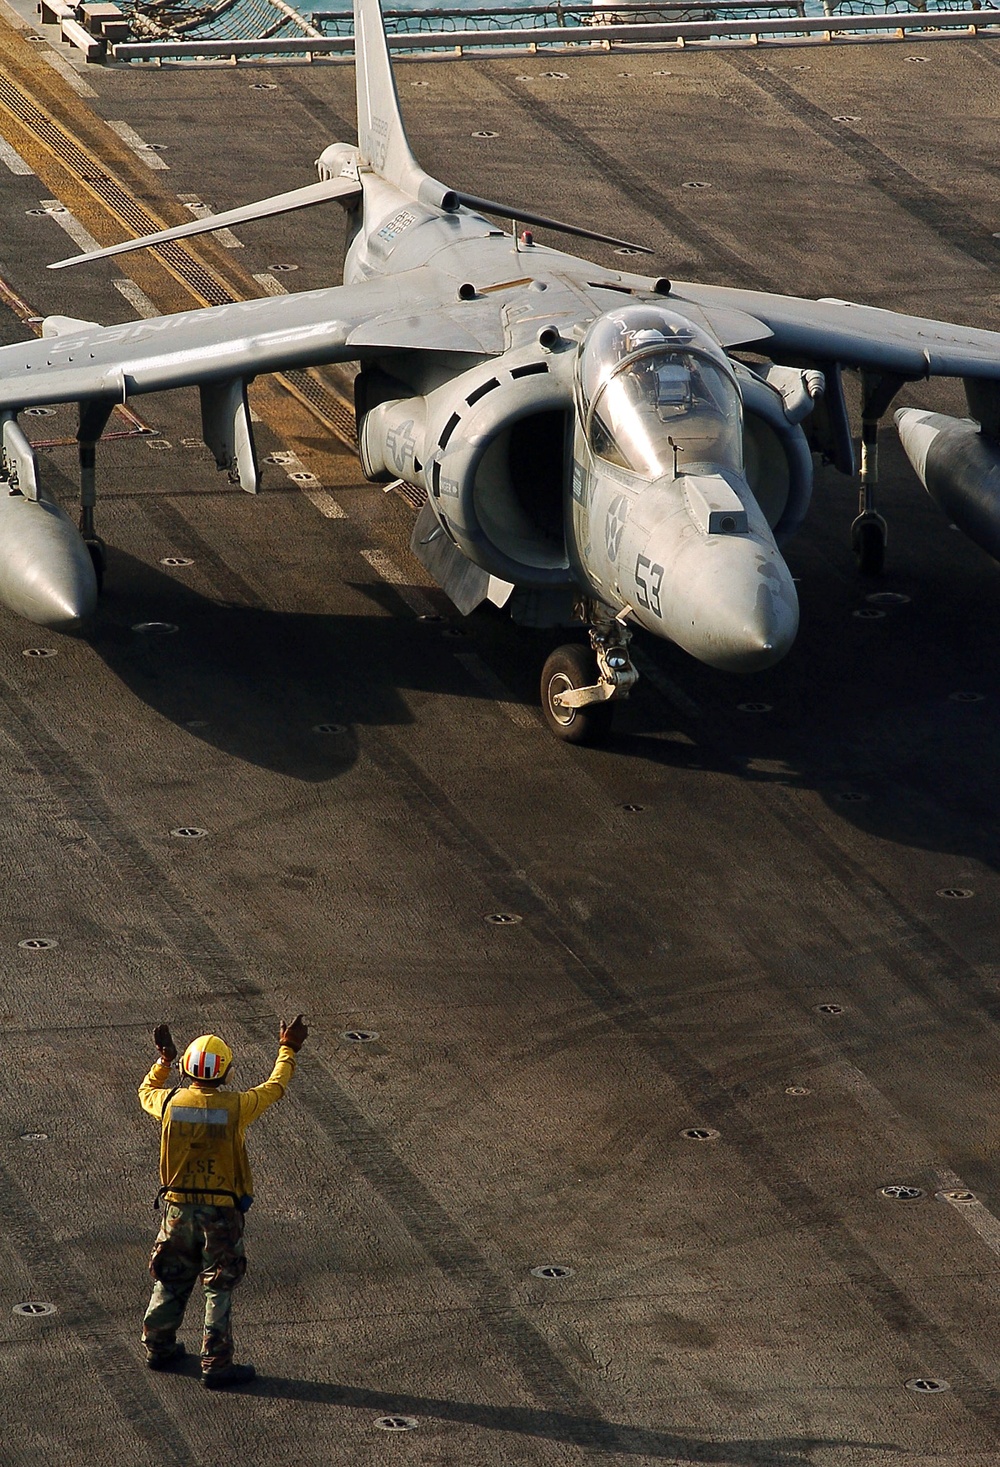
(483, 389)
(448, 430)
(529, 370)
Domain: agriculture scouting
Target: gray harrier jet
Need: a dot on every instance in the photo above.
(591, 445)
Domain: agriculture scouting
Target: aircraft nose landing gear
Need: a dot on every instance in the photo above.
(580, 685)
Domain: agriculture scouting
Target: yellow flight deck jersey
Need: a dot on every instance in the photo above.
(202, 1144)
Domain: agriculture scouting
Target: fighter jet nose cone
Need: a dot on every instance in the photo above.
(64, 607)
(58, 611)
(755, 643)
(747, 615)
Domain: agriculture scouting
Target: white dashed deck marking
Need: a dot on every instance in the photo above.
(139, 146)
(387, 568)
(269, 285)
(326, 504)
(871, 1099)
(137, 298)
(13, 161)
(225, 237)
(71, 225)
(976, 1214)
(68, 73)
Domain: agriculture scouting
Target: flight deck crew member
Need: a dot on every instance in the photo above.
(206, 1189)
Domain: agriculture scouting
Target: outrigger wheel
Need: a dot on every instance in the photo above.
(98, 556)
(868, 540)
(569, 667)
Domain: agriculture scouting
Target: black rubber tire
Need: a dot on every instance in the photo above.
(574, 666)
(869, 547)
(100, 561)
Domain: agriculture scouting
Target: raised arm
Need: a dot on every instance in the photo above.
(152, 1091)
(290, 1040)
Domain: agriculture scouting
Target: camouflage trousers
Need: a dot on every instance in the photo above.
(195, 1241)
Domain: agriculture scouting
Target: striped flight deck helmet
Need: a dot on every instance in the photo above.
(207, 1058)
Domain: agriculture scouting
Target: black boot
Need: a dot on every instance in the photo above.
(165, 1358)
(224, 1376)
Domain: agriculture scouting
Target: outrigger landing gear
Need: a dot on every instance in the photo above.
(580, 685)
(93, 420)
(869, 532)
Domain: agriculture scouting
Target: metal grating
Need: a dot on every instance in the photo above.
(414, 496)
(202, 282)
(331, 410)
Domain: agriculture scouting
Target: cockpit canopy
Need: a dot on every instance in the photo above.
(658, 396)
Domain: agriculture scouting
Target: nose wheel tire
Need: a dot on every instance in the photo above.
(569, 667)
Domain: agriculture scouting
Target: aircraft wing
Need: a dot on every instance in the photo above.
(858, 336)
(414, 310)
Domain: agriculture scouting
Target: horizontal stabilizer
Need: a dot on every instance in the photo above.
(345, 189)
(525, 216)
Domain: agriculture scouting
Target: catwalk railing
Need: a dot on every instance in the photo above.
(559, 30)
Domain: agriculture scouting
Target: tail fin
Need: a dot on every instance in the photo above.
(381, 135)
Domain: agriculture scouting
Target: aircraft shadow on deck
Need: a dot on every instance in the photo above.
(932, 792)
(254, 682)
(913, 766)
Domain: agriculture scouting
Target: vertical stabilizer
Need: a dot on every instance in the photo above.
(381, 135)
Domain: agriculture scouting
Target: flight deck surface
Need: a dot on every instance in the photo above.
(749, 977)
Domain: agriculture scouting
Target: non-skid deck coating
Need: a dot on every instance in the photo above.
(747, 1298)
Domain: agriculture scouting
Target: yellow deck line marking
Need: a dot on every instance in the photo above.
(31, 127)
(103, 188)
(132, 218)
(68, 73)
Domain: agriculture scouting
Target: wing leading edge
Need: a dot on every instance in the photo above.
(414, 310)
(859, 336)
